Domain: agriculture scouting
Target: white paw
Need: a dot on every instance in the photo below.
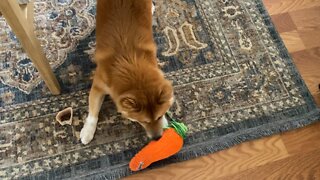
(88, 130)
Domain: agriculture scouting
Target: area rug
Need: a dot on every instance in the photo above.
(234, 81)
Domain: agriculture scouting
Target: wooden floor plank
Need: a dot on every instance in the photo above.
(283, 22)
(309, 38)
(239, 158)
(306, 19)
(301, 166)
(307, 22)
(308, 64)
(283, 6)
(293, 41)
(302, 140)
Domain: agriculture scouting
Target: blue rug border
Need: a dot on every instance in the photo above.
(268, 128)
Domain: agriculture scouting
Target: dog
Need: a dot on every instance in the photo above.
(127, 68)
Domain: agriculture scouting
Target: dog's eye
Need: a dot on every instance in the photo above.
(158, 119)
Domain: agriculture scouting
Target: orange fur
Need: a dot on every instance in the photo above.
(127, 67)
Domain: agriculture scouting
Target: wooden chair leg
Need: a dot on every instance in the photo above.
(28, 11)
(22, 28)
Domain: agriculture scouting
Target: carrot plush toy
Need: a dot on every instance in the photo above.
(169, 144)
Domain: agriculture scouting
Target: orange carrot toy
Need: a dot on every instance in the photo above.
(169, 144)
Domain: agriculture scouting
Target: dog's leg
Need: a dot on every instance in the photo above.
(96, 97)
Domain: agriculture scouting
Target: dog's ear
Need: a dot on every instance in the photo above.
(129, 103)
(166, 93)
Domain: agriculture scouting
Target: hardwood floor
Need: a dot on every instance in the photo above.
(291, 155)
(293, 167)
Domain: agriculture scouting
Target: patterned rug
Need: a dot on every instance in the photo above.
(234, 81)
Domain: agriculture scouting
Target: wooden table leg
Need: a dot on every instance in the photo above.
(22, 28)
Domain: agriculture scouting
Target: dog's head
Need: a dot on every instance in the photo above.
(148, 106)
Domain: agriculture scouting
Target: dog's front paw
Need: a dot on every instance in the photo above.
(87, 132)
